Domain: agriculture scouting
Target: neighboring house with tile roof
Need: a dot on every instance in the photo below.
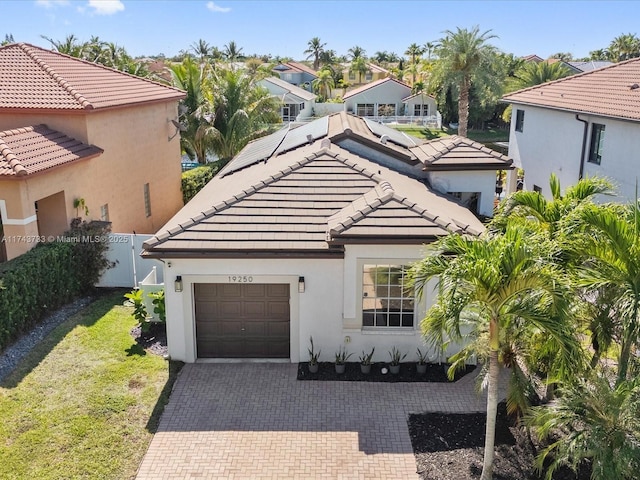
(390, 100)
(295, 103)
(72, 130)
(305, 234)
(374, 73)
(579, 126)
(297, 74)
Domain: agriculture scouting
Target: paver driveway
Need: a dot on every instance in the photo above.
(256, 421)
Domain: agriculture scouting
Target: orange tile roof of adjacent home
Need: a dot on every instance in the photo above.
(28, 150)
(33, 78)
(612, 91)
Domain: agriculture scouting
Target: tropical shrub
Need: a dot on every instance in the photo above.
(194, 180)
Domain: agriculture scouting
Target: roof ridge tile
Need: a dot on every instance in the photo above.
(30, 51)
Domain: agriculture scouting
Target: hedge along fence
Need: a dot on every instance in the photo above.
(193, 180)
(50, 275)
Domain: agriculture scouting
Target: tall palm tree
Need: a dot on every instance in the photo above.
(324, 83)
(202, 49)
(356, 52)
(8, 38)
(494, 285)
(464, 57)
(599, 54)
(314, 50)
(232, 52)
(359, 66)
(414, 51)
(611, 261)
(429, 48)
(71, 45)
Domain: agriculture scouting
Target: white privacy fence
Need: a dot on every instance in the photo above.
(130, 268)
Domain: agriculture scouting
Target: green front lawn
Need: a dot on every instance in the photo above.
(482, 136)
(85, 402)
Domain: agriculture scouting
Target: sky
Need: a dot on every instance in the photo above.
(283, 28)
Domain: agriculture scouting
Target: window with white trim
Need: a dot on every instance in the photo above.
(386, 109)
(365, 109)
(386, 300)
(519, 120)
(368, 76)
(597, 140)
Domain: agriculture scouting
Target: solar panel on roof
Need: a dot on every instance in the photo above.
(300, 135)
(255, 152)
(395, 136)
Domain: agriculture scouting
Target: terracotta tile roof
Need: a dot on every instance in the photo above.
(28, 150)
(373, 85)
(460, 153)
(311, 199)
(303, 68)
(35, 78)
(612, 91)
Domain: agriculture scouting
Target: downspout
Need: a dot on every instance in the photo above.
(584, 144)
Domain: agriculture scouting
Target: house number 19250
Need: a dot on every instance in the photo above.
(240, 279)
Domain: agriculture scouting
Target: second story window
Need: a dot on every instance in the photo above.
(519, 120)
(597, 140)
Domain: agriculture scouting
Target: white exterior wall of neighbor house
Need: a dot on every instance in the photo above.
(482, 181)
(386, 93)
(551, 142)
(328, 310)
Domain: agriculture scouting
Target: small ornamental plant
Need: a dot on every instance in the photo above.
(365, 358)
(313, 357)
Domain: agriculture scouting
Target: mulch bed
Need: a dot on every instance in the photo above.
(327, 372)
(154, 340)
(451, 447)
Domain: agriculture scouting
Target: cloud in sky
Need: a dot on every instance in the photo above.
(105, 7)
(217, 8)
(52, 3)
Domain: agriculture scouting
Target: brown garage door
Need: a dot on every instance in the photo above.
(242, 320)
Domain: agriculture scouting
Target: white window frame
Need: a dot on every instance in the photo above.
(364, 108)
(419, 308)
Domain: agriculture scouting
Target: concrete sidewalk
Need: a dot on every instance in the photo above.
(256, 421)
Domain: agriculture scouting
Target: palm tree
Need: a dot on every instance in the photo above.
(564, 56)
(356, 52)
(359, 66)
(196, 138)
(8, 38)
(598, 423)
(202, 49)
(414, 51)
(69, 46)
(429, 48)
(314, 50)
(464, 57)
(532, 74)
(324, 83)
(232, 52)
(495, 285)
(239, 110)
(611, 261)
(600, 54)
(624, 47)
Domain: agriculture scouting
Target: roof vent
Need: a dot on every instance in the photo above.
(309, 138)
(635, 86)
(384, 139)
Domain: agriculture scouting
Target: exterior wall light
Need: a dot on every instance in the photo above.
(300, 284)
(178, 283)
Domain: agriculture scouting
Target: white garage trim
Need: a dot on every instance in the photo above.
(4, 216)
(190, 314)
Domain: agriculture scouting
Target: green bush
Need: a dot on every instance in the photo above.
(48, 276)
(193, 180)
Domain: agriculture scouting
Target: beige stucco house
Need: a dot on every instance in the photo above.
(75, 132)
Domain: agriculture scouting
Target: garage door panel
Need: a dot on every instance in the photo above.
(278, 290)
(242, 320)
(230, 308)
(254, 290)
(254, 309)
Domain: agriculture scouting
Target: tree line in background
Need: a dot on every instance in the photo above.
(462, 70)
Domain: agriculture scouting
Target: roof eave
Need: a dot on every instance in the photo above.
(213, 253)
(571, 110)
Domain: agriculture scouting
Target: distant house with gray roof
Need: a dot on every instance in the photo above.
(295, 103)
(307, 233)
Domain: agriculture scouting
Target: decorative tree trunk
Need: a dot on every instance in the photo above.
(492, 412)
(463, 106)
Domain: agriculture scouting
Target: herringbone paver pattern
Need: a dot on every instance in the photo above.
(256, 421)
